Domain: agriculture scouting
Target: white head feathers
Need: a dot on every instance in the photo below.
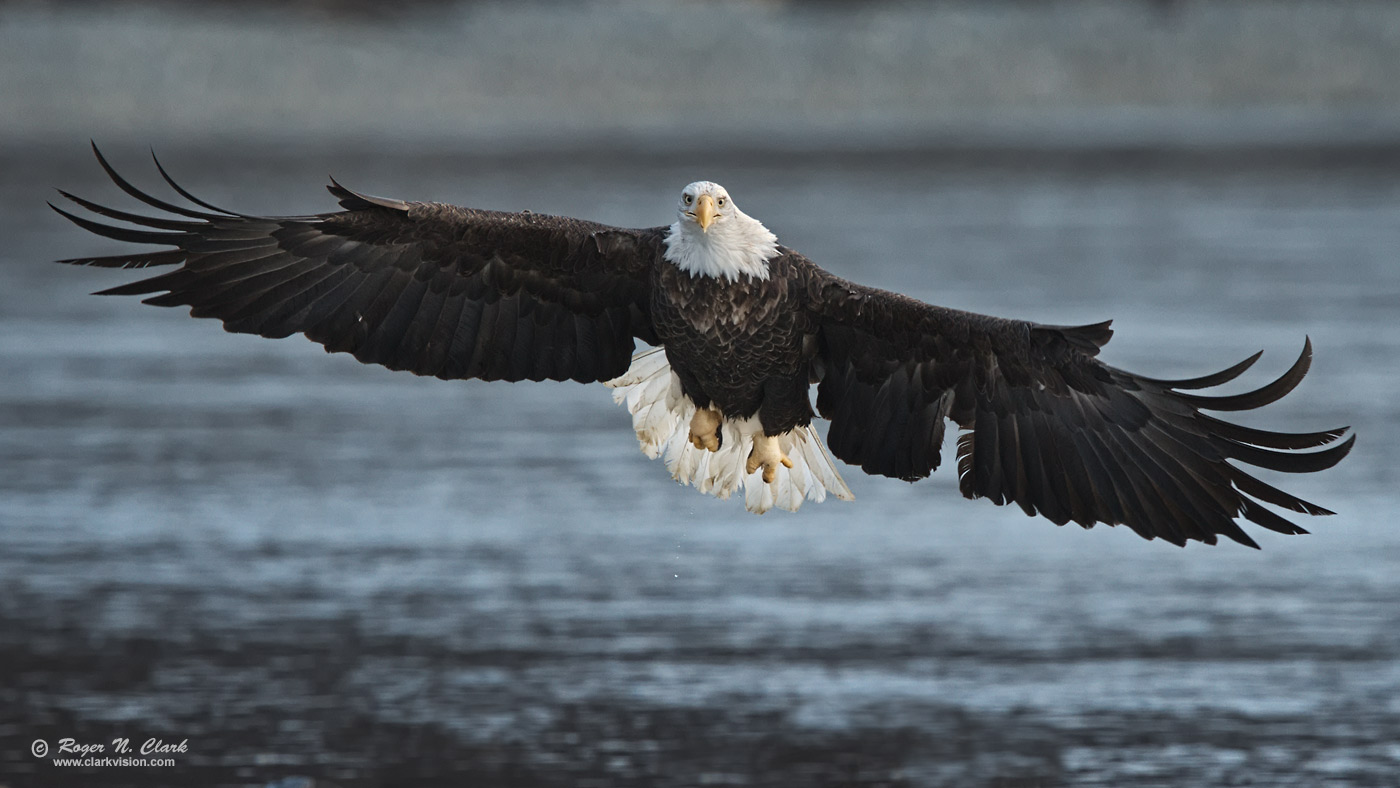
(712, 237)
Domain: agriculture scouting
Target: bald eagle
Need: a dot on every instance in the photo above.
(741, 327)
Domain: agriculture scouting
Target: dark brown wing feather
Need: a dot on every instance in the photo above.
(430, 288)
(1047, 425)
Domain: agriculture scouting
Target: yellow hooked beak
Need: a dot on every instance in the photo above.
(705, 211)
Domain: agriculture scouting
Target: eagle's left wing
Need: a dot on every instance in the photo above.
(1047, 424)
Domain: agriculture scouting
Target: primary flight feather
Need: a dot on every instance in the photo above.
(742, 327)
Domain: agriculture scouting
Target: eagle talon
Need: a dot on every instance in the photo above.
(768, 455)
(704, 429)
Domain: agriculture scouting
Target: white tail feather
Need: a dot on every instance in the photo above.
(661, 417)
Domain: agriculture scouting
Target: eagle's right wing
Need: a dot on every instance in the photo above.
(430, 288)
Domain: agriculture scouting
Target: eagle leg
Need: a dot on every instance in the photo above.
(767, 454)
(704, 429)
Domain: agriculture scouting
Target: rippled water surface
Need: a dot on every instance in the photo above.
(309, 568)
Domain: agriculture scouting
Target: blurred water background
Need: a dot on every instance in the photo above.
(320, 573)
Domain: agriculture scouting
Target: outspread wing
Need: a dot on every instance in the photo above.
(430, 288)
(1049, 426)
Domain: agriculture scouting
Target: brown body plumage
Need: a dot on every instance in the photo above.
(462, 293)
(745, 346)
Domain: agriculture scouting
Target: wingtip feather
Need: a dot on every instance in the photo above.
(1264, 395)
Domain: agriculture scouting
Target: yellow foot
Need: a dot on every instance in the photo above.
(704, 429)
(768, 455)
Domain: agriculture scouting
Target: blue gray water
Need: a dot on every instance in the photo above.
(311, 568)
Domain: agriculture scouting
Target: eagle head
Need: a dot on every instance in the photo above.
(712, 237)
(704, 204)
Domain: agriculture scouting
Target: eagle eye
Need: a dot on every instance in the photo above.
(687, 198)
(720, 202)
